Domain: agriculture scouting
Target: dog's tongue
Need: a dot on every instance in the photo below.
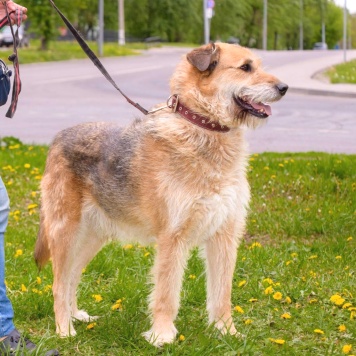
(259, 106)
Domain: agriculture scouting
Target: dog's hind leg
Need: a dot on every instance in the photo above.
(220, 254)
(61, 215)
(62, 264)
(87, 246)
(168, 272)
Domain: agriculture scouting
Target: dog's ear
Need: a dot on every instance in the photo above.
(204, 58)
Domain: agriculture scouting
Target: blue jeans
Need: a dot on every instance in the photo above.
(6, 311)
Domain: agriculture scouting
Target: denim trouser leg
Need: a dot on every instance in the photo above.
(6, 311)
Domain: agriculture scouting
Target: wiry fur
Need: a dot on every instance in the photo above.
(161, 179)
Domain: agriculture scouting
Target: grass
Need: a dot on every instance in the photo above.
(294, 285)
(64, 50)
(343, 73)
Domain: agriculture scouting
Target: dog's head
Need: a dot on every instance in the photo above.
(226, 83)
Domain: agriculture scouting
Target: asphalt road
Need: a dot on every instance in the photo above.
(60, 94)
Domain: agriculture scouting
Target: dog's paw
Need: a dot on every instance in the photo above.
(66, 332)
(158, 339)
(82, 315)
(228, 329)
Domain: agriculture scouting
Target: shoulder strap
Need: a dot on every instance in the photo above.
(16, 88)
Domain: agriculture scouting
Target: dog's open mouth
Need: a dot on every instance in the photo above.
(256, 109)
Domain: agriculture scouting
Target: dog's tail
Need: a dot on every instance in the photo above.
(42, 253)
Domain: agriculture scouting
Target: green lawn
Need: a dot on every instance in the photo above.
(343, 73)
(294, 285)
(64, 50)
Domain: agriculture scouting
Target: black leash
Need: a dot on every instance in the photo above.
(95, 59)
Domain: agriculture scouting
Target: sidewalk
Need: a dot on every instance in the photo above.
(306, 77)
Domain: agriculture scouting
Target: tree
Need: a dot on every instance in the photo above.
(182, 20)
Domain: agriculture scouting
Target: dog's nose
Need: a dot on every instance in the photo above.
(282, 88)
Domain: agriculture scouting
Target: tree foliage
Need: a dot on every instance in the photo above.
(182, 20)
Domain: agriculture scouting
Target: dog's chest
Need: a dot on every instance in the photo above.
(206, 200)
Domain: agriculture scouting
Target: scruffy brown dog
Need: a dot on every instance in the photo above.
(177, 177)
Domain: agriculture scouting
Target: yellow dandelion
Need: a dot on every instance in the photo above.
(192, 276)
(127, 247)
(33, 194)
(98, 298)
(38, 280)
(268, 290)
(18, 253)
(248, 321)
(253, 300)
(313, 301)
(346, 305)
(27, 165)
(313, 257)
(349, 238)
(288, 262)
(337, 299)
(268, 280)
(32, 206)
(254, 245)
(147, 254)
(342, 328)
(353, 315)
(281, 165)
(277, 341)
(242, 283)
(181, 337)
(286, 316)
(23, 288)
(288, 300)
(48, 287)
(266, 168)
(91, 326)
(117, 305)
(277, 296)
(273, 176)
(318, 331)
(239, 309)
(338, 257)
(346, 349)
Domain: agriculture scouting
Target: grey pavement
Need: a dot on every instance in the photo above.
(306, 77)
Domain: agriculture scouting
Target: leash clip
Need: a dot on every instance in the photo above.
(171, 103)
(174, 103)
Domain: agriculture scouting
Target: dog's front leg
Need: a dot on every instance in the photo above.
(167, 273)
(220, 254)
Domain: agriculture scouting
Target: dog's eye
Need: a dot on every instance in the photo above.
(246, 67)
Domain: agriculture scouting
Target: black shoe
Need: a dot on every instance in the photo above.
(15, 343)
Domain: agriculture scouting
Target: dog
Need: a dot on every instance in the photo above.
(176, 178)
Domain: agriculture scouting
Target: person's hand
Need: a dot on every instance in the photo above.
(11, 6)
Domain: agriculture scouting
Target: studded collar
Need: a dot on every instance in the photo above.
(194, 118)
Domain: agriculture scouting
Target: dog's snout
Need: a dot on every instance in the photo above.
(282, 88)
